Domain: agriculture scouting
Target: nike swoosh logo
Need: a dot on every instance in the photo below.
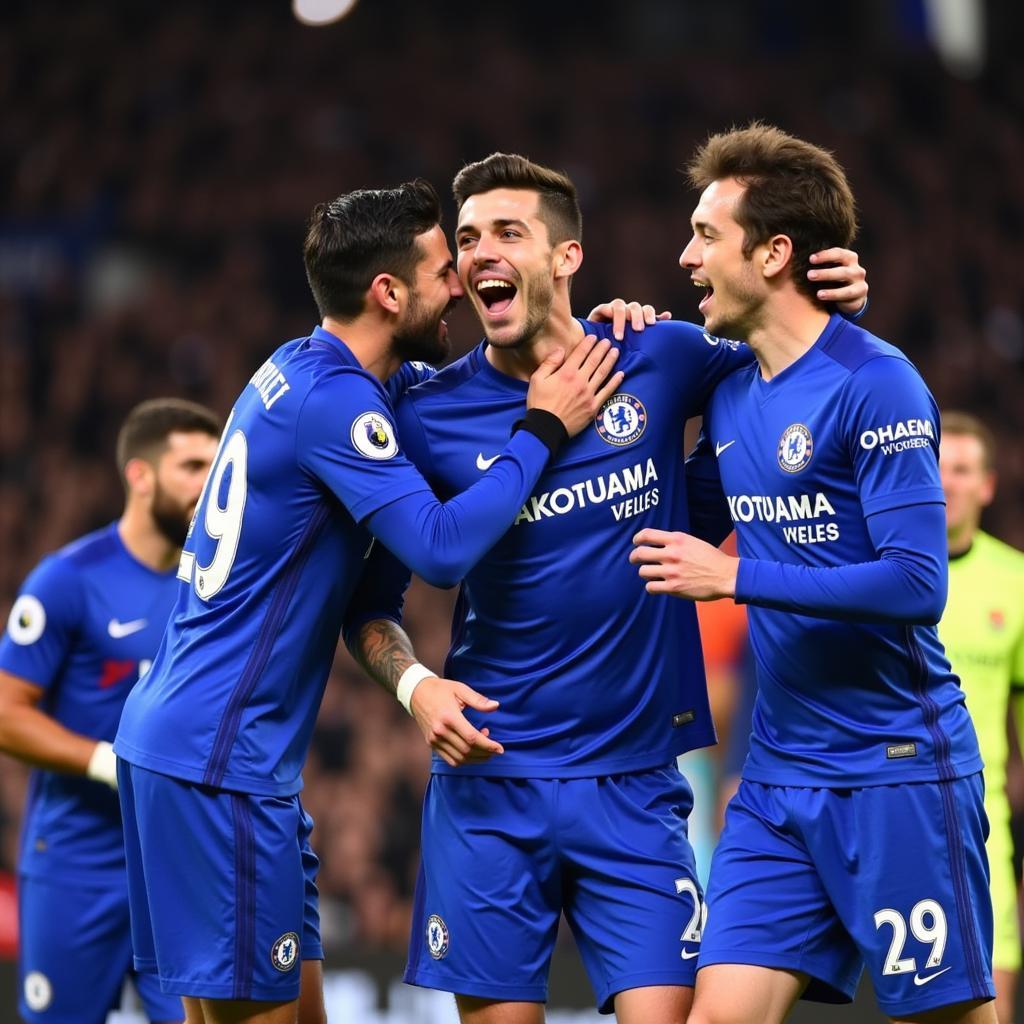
(483, 464)
(918, 980)
(689, 954)
(119, 630)
(719, 448)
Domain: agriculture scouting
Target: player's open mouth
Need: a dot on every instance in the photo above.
(708, 292)
(496, 294)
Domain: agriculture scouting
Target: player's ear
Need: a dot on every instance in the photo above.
(776, 255)
(568, 257)
(388, 292)
(988, 489)
(140, 477)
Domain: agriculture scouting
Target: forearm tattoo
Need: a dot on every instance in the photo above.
(385, 651)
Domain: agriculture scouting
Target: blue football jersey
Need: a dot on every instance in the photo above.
(594, 675)
(275, 552)
(847, 431)
(86, 624)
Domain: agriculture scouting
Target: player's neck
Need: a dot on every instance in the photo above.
(790, 327)
(145, 543)
(369, 340)
(560, 331)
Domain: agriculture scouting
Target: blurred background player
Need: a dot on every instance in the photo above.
(982, 630)
(86, 624)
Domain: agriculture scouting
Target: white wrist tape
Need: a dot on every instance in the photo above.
(103, 764)
(411, 678)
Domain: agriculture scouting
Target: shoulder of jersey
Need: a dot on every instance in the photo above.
(98, 546)
(851, 347)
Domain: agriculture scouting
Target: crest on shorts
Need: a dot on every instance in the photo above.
(622, 420)
(374, 437)
(38, 991)
(437, 936)
(284, 954)
(795, 448)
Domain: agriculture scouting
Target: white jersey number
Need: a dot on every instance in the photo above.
(927, 924)
(222, 523)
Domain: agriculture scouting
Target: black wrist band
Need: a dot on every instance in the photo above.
(545, 426)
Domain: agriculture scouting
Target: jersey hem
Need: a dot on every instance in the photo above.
(805, 778)
(185, 773)
(86, 878)
(586, 770)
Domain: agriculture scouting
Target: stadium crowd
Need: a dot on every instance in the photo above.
(157, 173)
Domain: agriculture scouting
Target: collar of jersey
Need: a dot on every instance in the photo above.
(324, 339)
(483, 366)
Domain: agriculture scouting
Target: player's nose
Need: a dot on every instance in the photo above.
(688, 257)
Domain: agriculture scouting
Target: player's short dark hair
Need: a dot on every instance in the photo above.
(558, 207)
(146, 429)
(963, 424)
(361, 234)
(793, 188)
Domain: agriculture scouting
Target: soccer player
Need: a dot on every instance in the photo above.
(569, 798)
(308, 476)
(86, 624)
(857, 834)
(982, 630)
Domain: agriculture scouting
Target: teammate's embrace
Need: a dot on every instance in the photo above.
(309, 471)
(857, 833)
(86, 624)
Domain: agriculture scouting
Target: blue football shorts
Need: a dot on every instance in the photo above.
(222, 887)
(75, 953)
(503, 858)
(830, 881)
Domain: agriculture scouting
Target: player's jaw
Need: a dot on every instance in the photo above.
(422, 333)
(730, 305)
(171, 516)
(512, 307)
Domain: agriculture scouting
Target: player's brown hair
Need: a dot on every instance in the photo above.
(963, 424)
(793, 188)
(145, 431)
(559, 206)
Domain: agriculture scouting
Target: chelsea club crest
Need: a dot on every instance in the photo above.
(622, 420)
(795, 448)
(284, 954)
(437, 936)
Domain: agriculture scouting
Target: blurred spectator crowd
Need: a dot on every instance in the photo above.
(158, 162)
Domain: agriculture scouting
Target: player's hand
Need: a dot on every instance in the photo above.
(574, 387)
(678, 564)
(845, 284)
(618, 312)
(437, 705)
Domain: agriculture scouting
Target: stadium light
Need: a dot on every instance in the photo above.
(321, 12)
